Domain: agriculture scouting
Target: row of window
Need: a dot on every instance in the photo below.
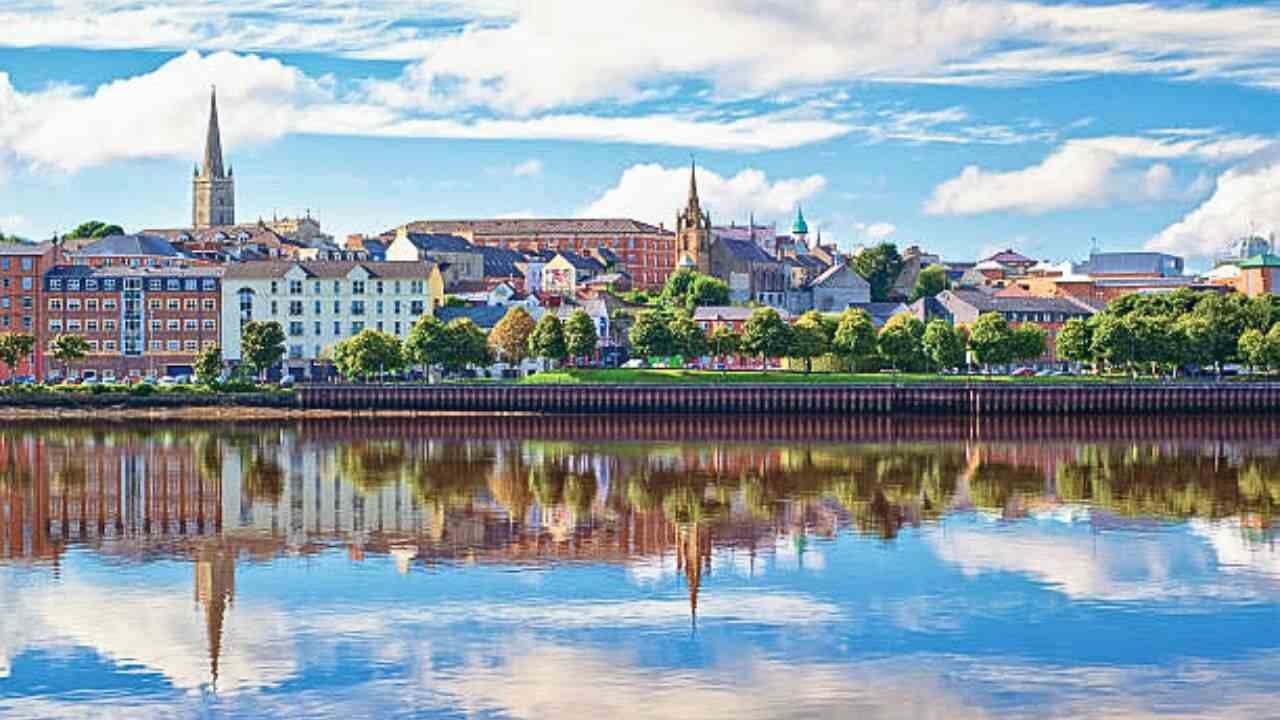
(299, 329)
(24, 263)
(1036, 317)
(6, 322)
(27, 283)
(110, 346)
(74, 324)
(358, 287)
(173, 284)
(109, 304)
(6, 302)
(358, 307)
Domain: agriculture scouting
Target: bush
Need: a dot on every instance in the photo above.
(235, 386)
(142, 390)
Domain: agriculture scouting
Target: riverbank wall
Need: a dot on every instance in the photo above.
(59, 401)
(955, 399)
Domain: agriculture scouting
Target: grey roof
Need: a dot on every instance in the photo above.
(536, 226)
(500, 261)
(745, 250)
(375, 247)
(581, 262)
(484, 316)
(880, 312)
(730, 313)
(20, 248)
(129, 245)
(594, 308)
(831, 272)
(439, 242)
(984, 302)
(1131, 263)
(328, 269)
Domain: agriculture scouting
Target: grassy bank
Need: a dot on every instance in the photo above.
(574, 376)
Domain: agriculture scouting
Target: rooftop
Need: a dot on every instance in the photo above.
(139, 244)
(438, 242)
(985, 302)
(745, 250)
(535, 226)
(327, 269)
(1262, 260)
(18, 248)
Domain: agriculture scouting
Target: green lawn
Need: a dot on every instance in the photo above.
(570, 376)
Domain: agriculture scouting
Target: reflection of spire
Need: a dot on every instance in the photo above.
(693, 555)
(215, 589)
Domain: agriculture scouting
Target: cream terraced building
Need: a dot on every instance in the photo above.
(320, 303)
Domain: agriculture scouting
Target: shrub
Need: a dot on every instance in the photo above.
(142, 390)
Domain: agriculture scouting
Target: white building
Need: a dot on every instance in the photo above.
(319, 303)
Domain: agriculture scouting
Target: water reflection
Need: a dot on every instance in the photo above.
(486, 569)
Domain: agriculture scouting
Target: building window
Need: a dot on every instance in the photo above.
(173, 346)
(295, 308)
(210, 304)
(155, 284)
(93, 346)
(210, 324)
(337, 328)
(357, 287)
(357, 307)
(378, 307)
(191, 324)
(55, 304)
(91, 325)
(378, 287)
(73, 285)
(27, 264)
(28, 283)
(315, 327)
(156, 326)
(174, 303)
(109, 284)
(109, 325)
(295, 352)
(337, 307)
(415, 287)
(73, 303)
(296, 329)
(295, 287)
(157, 346)
(416, 308)
(109, 345)
(133, 283)
(395, 307)
(91, 304)
(155, 304)
(191, 284)
(55, 284)
(356, 327)
(190, 304)
(398, 327)
(337, 287)
(208, 284)
(316, 286)
(275, 308)
(73, 324)
(90, 284)
(275, 288)
(55, 326)
(174, 324)
(190, 345)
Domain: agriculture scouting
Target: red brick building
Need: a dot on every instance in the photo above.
(21, 266)
(647, 253)
(139, 322)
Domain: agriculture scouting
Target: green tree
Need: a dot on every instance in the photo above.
(991, 339)
(580, 334)
(766, 334)
(901, 342)
(855, 339)
(428, 342)
(67, 349)
(1193, 340)
(1074, 341)
(677, 287)
(262, 345)
(1154, 341)
(706, 291)
(1253, 348)
(14, 348)
(1113, 341)
(809, 338)
(208, 365)
(1030, 341)
(687, 336)
(880, 266)
(1271, 351)
(650, 335)
(547, 339)
(510, 337)
(723, 341)
(929, 282)
(467, 345)
(368, 353)
(1225, 319)
(94, 229)
(943, 345)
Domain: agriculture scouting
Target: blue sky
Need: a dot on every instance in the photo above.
(960, 126)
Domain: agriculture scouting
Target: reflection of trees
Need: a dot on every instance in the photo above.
(263, 477)
(1144, 481)
(371, 465)
(993, 484)
(445, 474)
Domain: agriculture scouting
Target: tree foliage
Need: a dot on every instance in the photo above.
(880, 266)
(14, 348)
(428, 343)
(580, 335)
(262, 344)
(547, 339)
(723, 341)
(208, 365)
(510, 337)
(991, 339)
(929, 282)
(1029, 342)
(650, 335)
(901, 342)
(368, 353)
(766, 334)
(943, 345)
(467, 345)
(94, 229)
(1074, 341)
(687, 337)
(810, 338)
(67, 349)
(855, 339)
(689, 289)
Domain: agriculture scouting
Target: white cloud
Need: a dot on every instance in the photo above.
(875, 232)
(1245, 199)
(528, 168)
(159, 114)
(1074, 176)
(654, 193)
(1087, 172)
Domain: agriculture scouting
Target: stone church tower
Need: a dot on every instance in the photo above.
(693, 232)
(213, 190)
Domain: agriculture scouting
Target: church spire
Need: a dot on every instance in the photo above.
(213, 141)
(693, 184)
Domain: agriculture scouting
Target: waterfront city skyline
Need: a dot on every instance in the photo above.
(964, 128)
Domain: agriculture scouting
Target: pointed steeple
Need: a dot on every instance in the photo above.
(693, 184)
(213, 141)
(800, 227)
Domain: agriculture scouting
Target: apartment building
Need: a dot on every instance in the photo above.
(138, 321)
(21, 266)
(320, 303)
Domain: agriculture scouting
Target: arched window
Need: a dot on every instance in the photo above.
(246, 304)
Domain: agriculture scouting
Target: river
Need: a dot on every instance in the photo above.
(641, 568)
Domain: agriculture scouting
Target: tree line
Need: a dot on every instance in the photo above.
(1167, 333)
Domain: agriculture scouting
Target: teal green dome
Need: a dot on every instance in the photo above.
(799, 227)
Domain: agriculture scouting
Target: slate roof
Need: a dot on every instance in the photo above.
(831, 272)
(880, 312)
(130, 245)
(1130, 263)
(582, 262)
(1010, 257)
(745, 250)
(537, 226)
(330, 269)
(730, 313)
(985, 302)
(439, 242)
(18, 248)
(484, 316)
(500, 261)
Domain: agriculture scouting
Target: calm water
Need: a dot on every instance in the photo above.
(599, 568)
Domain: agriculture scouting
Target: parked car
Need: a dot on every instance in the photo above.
(286, 381)
(633, 364)
(1023, 372)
